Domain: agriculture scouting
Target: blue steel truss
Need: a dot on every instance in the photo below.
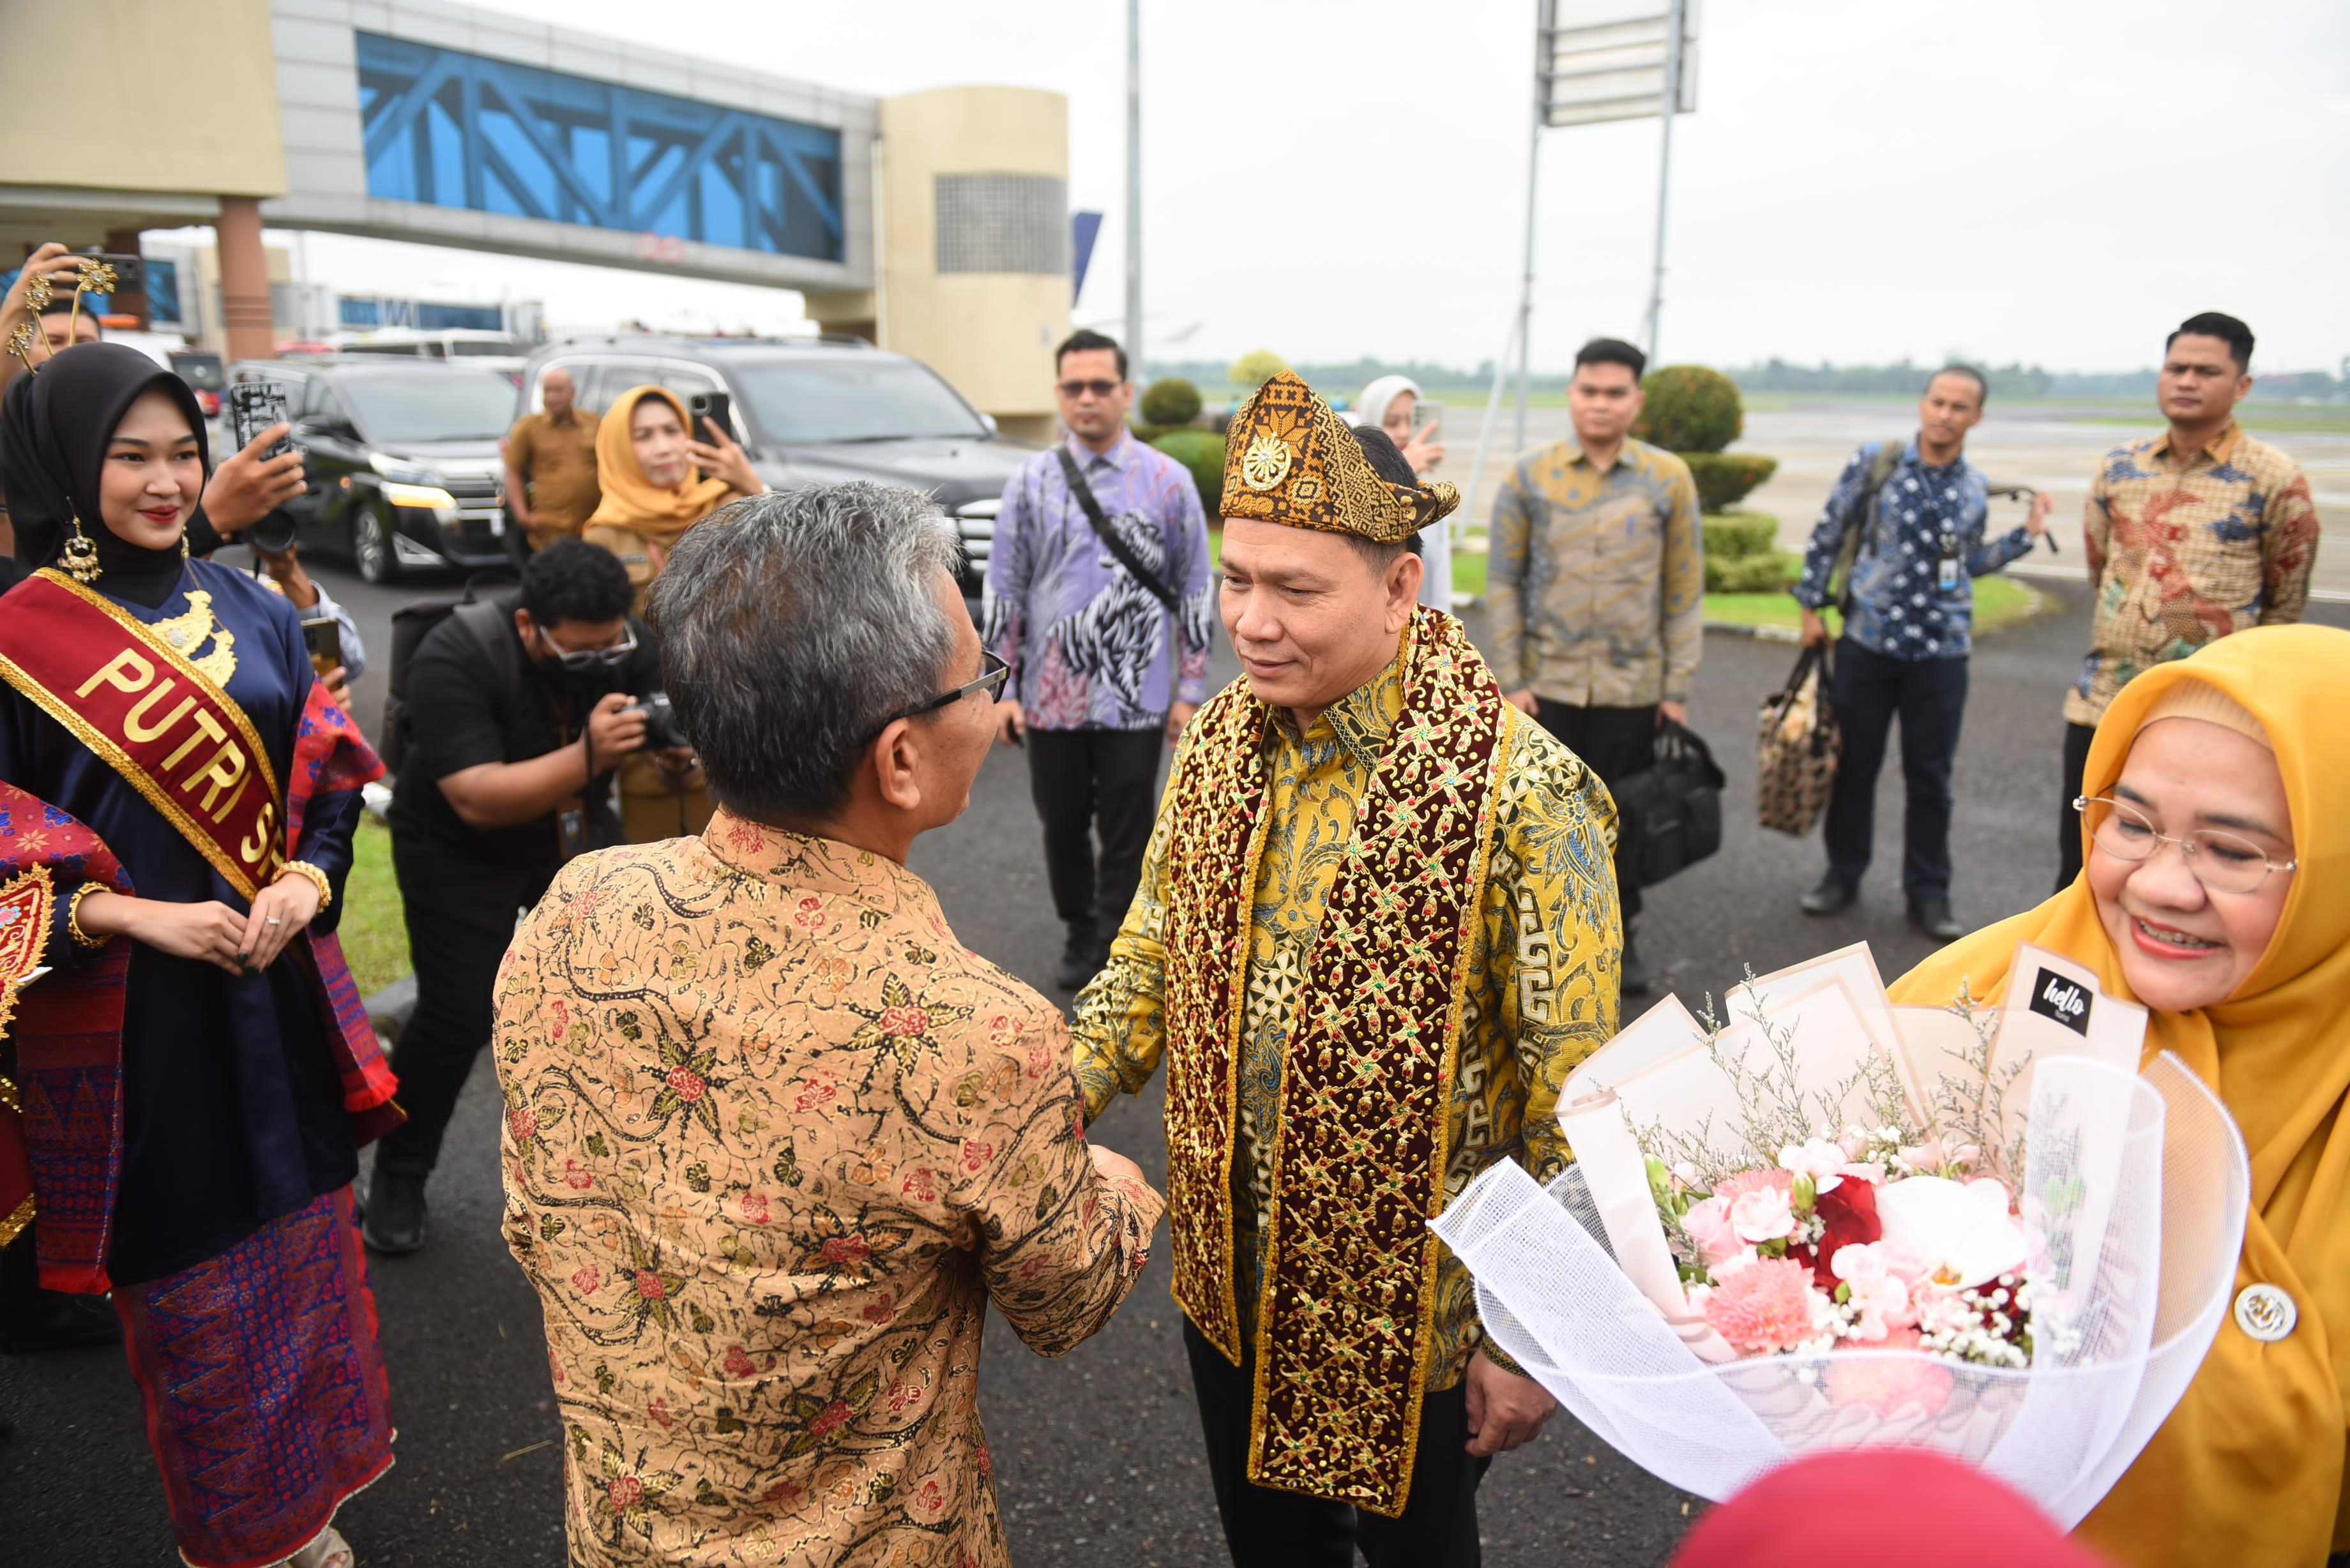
(453, 130)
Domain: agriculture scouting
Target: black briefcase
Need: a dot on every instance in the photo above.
(1669, 814)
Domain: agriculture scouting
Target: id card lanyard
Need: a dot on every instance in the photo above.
(1946, 565)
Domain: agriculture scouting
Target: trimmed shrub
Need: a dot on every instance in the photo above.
(1740, 535)
(1172, 403)
(1146, 434)
(1690, 408)
(1773, 571)
(1256, 368)
(1202, 452)
(1723, 478)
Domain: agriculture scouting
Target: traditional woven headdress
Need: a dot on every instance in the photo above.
(1289, 459)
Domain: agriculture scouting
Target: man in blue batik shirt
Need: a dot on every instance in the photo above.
(1908, 620)
(1106, 666)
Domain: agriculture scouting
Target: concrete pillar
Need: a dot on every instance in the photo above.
(974, 257)
(244, 280)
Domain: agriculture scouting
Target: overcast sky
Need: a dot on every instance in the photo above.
(1862, 179)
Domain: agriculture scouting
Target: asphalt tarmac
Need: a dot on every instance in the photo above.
(1098, 1454)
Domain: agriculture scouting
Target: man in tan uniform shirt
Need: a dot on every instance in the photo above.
(551, 484)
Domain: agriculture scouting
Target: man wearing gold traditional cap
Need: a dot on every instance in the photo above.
(1377, 926)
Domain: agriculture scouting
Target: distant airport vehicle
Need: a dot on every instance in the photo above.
(402, 457)
(813, 411)
(491, 350)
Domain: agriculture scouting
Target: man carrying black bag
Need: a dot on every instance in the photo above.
(1097, 597)
(1907, 517)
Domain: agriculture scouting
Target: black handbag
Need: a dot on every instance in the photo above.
(1669, 814)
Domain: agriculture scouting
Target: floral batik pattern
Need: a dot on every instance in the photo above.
(1535, 990)
(774, 1142)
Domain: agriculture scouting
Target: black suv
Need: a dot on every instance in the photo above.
(402, 456)
(818, 410)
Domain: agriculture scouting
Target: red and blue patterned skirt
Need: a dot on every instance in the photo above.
(266, 1402)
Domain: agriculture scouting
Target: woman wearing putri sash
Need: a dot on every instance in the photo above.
(2216, 894)
(177, 798)
(661, 477)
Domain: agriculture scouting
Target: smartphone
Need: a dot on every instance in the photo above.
(126, 267)
(718, 407)
(324, 638)
(253, 408)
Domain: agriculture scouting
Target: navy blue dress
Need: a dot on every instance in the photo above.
(232, 1107)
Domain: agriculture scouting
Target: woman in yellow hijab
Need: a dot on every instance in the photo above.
(659, 482)
(2217, 893)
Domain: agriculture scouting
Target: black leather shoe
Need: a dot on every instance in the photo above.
(54, 1320)
(1832, 897)
(1079, 961)
(1634, 980)
(1933, 918)
(394, 1220)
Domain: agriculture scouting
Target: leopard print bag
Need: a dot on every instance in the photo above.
(1797, 747)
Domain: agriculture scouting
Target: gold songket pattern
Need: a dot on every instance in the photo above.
(1370, 953)
(1290, 458)
(774, 1143)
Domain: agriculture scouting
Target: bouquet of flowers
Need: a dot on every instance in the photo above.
(1829, 1221)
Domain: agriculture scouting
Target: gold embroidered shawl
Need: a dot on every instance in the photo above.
(1344, 1324)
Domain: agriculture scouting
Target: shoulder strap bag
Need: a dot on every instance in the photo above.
(1108, 536)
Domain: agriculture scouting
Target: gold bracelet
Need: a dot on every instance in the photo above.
(73, 915)
(317, 880)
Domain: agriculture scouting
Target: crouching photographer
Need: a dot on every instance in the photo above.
(513, 715)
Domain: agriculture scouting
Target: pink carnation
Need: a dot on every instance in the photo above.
(1747, 1181)
(1707, 1224)
(1890, 1385)
(1767, 1306)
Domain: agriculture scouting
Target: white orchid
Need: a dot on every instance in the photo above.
(1961, 1230)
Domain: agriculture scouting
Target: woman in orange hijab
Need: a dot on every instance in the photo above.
(2217, 893)
(658, 482)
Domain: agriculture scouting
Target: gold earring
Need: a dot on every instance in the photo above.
(184, 547)
(82, 556)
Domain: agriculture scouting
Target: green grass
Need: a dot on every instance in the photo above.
(1999, 602)
(374, 931)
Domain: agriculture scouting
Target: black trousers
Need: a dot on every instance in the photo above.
(1085, 779)
(460, 920)
(2068, 821)
(1929, 695)
(1265, 1528)
(1614, 743)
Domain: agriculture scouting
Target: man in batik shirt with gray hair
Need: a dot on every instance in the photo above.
(1377, 927)
(774, 1139)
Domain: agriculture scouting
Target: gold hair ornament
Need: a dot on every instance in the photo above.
(95, 278)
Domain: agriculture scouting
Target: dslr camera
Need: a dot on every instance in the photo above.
(662, 731)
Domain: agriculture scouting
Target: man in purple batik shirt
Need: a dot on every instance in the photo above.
(1105, 669)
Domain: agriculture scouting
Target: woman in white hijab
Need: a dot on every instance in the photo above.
(1387, 404)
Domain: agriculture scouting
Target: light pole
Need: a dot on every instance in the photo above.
(1674, 22)
(1134, 188)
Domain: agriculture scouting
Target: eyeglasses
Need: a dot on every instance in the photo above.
(1099, 388)
(2223, 862)
(590, 658)
(992, 673)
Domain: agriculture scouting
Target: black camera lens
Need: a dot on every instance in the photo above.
(273, 536)
(661, 731)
